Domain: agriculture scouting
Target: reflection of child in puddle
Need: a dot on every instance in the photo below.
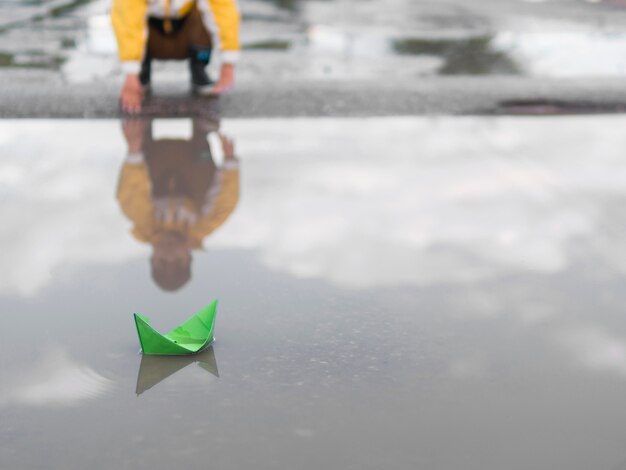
(175, 195)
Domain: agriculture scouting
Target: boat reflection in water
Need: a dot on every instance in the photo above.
(154, 369)
(175, 194)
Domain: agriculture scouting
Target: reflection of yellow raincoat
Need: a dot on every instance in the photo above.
(172, 191)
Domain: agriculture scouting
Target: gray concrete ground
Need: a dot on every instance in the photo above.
(339, 58)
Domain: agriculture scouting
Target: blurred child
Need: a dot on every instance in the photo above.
(178, 30)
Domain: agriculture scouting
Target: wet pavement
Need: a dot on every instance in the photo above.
(336, 41)
(341, 53)
(405, 292)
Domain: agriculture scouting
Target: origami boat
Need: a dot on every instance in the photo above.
(194, 335)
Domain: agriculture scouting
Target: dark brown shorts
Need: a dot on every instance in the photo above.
(186, 32)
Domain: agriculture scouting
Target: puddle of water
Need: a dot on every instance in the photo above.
(531, 53)
(68, 7)
(270, 44)
(290, 5)
(549, 107)
(30, 59)
(286, 41)
(471, 56)
(424, 290)
(565, 54)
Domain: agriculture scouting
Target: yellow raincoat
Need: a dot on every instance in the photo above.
(220, 17)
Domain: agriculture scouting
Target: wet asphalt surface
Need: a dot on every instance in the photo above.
(340, 58)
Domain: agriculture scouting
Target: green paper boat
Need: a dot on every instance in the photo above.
(189, 338)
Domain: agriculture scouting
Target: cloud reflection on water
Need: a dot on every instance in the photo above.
(56, 380)
(359, 203)
(427, 201)
(595, 348)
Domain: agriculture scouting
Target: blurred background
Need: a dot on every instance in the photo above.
(311, 49)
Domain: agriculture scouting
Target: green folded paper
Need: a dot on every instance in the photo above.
(192, 336)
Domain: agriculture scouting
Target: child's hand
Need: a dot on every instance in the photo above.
(226, 81)
(131, 95)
